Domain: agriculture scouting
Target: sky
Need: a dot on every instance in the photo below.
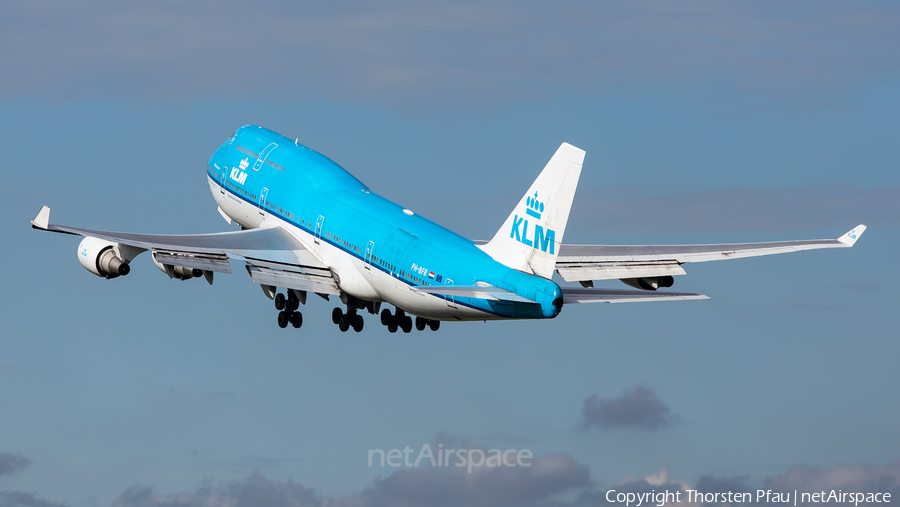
(703, 122)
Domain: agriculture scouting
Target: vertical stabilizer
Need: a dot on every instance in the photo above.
(530, 238)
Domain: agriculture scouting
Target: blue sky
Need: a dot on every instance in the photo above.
(702, 122)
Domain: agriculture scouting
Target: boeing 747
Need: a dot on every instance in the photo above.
(307, 225)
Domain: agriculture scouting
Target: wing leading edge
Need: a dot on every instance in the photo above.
(578, 263)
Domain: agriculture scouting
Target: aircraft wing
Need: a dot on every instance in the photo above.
(272, 255)
(585, 295)
(607, 262)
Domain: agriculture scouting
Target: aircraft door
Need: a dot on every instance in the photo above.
(319, 222)
(450, 302)
(263, 155)
(262, 200)
(369, 248)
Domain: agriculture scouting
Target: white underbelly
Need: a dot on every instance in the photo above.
(366, 283)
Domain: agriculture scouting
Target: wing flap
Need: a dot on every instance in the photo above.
(613, 271)
(583, 295)
(293, 280)
(205, 262)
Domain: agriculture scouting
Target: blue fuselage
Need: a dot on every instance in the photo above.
(322, 203)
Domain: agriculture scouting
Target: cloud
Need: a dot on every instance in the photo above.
(21, 499)
(553, 480)
(366, 51)
(736, 209)
(254, 491)
(636, 408)
(724, 485)
(651, 484)
(548, 476)
(12, 463)
(432, 486)
(848, 478)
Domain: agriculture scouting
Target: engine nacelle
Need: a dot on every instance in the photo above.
(650, 282)
(99, 257)
(177, 272)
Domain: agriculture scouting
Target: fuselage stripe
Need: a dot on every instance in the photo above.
(213, 178)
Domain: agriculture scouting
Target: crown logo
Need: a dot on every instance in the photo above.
(535, 207)
(244, 163)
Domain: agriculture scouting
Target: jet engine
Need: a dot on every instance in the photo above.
(177, 272)
(100, 258)
(650, 282)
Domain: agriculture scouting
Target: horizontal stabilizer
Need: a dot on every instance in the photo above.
(475, 292)
(582, 295)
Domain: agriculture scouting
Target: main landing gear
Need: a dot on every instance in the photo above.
(400, 320)
(288, 314)
(289, 302)
(347, 320)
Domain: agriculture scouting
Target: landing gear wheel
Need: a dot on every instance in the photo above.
(292, 305)
(283, 319)
(344, 323)
(392, 325)
(358, 323)
(407, 324)
(434, 324)
(296, 320)
(279, 301)
(421, 323)
(385, 317)
(336, 315)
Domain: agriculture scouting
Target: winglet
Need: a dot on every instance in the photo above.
(850, 238)
(42, 220)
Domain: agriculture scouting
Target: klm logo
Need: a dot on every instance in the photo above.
(239, 175)
(541, 239)
(535, 208)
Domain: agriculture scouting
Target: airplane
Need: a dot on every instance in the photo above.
(308, 225)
